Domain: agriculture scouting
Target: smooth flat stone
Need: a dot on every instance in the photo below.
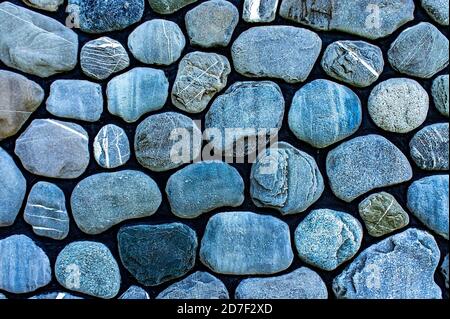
(286, 179)
(154, 254)
(281, 52)
(257, 11)
(365, 163)
(428, 200)
(444, 270)
(438, 10)
(24, 266)
(46, 211)
(357, 63)
(19, 98)
(245, 243)
(168, 6)
(55, 295)
(440, 92)
(34, 43)
(135, 293)
(200, 76)
(47, 5)
(372, 19)
(420, 51)
(324, 112)
(199, 285)
(111, 146)
(103, 200)
(399, 267)
(302, 283)
(88, 267)
(157, 42)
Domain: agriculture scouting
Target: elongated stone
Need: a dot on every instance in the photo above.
(111, 147)
(438, 10)
(168, 6)
(256, 11)
(135, 292)
(47, 5)
(440, 92)
(444, 270)
(55, 295)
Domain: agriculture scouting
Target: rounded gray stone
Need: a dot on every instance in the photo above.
(440, 92)
(111, 147)
(135, 293)
(438, 10)
(258, 11)
(168, 6)
(47, 5)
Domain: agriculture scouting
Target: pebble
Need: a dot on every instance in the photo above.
(157, 42)
(365, 163)
(75, 99)
(302, 283)
(66, 145)
(168, 6)
(398, 105)
(438, 10)
(245, 243)
(90, 268)
(55, 295)
(204, 186)
(103, 200)
(440, 92)
(101, 58)
(324, 112)
(259, 11)
(19, 98)
(135, 293)
(200, 76)
(372, 19)
(382, 214)
(429, 147)
(155, 146)
(444, 270)
(111, 147)
(419, 51)
(154, 254)
(357, 63)
(428, 200)
(281, 52)
(2, 297)
(286, 179)
(399, 267)
(24, 266)
(199, 285)
(39, 45)
(47, 5)
(46, 211)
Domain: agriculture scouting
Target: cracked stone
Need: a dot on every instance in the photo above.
(111, 147)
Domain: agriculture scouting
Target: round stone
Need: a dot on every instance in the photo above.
(111, 147)
(438, 10)
(440, 92)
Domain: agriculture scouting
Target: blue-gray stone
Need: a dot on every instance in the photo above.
(12, 189)
(199, 285)
(399, 267)
(46, 211)
(324, 112)
(90, 268)
(281, 52)
(438, 10)
(440, 92)
(76, 99)
(365, 163)
(327, 238)
(103, 200)
(24, 266)
(201, 187)
(286, 179)
(302, 283)
(428, 200)
(257, 11)
(245, 243)
(135, 293)
(444, 270)
(154, 254)
(111, 147)
(2, 297)
(55, 295)
(168, 6)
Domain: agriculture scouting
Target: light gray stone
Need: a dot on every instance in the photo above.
(256, 11)
(438, 10)
(47, 5)
(135, 293)
(111, 147)
(440, 92)
(2, 297)
(55, 295)
(168, 6)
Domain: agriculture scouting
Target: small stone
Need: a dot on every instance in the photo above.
(428, 200)
(103, 200)
(199, 285)
(398, 105)
(201, 187)
(137, 92)
(19, 98)
(256, 11)
(382, 214)
(47, 5)
(46, 211)
(429, 147)
(24, 266)
(90, 268)
(56, 295)
(2, 297)
(76, 99)
(420, 51)
(155, 146)
(399, 267)
(438, 10)
(245, 243)
(440, 92)
(111, 147)
(372, 19)
(286, 179)
(444, 270)
(157, 42)
(324, 112)
(34, 43)
(135, 293)
(168, 6)
(357, 63)
(200, 76)
(154, 254)
(102, 57)
(365, 163)
(302, 283)
(281, 52)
